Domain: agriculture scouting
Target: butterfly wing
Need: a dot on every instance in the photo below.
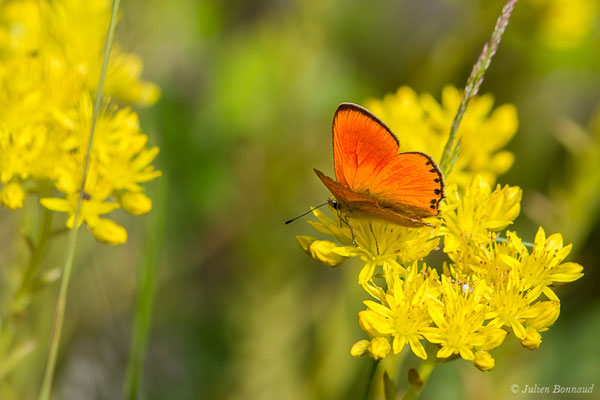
(366, 160)
(362, 146)
(411, 181)
(356, 204)
(346, 197)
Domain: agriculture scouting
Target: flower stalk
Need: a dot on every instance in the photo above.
(372, 374)
(418, 378)
(38, 252)
(473, 84)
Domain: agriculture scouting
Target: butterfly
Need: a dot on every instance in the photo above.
(373, 179)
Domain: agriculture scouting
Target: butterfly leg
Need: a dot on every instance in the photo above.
(343, 218)
(347, 222)
(374, 237)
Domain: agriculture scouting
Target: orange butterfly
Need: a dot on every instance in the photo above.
(373, 179)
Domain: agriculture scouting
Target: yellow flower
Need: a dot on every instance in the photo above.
(50, 55)
(516, 280)
(96, 198)
(90, 211)
(470, 216)
(487, 260)
(543, 266)
(403, 113)
(512, 306)
(12, 196)
(541, 316)
(123, 80)
(483, 133)
(459, 319)
(402, 313)
(121, 151)
(21, 153)
(21, 28)
(566, 23)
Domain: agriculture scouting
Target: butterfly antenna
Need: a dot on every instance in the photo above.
(329, 201)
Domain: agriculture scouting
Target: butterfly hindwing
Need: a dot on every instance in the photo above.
(410, 180)
(358, 204)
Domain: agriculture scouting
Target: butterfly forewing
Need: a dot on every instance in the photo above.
(362, 146)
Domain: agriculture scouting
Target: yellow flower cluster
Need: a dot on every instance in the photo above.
(50, 61)
(565, 24)
(492, 285)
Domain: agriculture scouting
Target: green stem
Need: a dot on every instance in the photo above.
(59, 313)
(146, 295)
(374, 365)
(418, 379)
(473, 85)
(39, 251)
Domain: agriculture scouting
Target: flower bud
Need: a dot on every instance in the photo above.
(379, 348)
(136, 203)
(532, 339)
(304, 242)
(109, 232)
(359, 348)
(322, 251)
(12, 196)
(483, 361)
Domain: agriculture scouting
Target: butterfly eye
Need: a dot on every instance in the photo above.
(334, 204)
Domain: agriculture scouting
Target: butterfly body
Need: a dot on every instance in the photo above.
(373, 179)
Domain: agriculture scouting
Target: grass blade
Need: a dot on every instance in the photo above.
(59, 312)
(146, 293)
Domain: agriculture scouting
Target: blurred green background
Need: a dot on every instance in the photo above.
(248, 93)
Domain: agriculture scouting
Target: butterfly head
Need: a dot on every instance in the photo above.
(334, 204)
